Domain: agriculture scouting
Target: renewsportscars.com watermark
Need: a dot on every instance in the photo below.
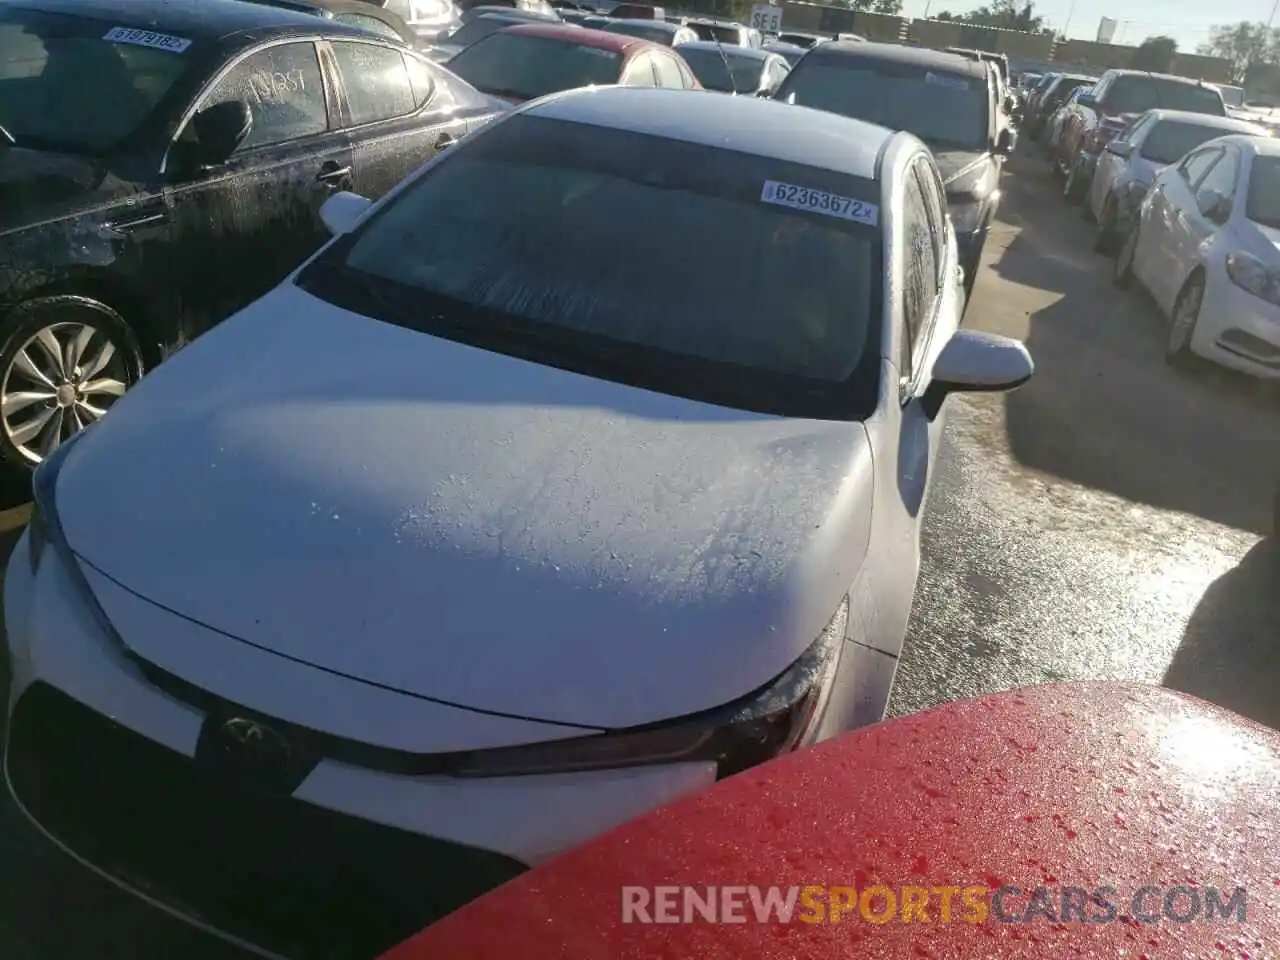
(973, 903)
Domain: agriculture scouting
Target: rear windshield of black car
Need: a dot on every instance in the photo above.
(716, 31)
(656, 32)
(523, 67)
(742, 74)
(1139, 94)
(1064, 89)
(82, 86)
(1171, 139)
(946, 109)
(661, 263)
(1263, 203)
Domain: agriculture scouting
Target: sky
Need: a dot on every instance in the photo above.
(1187, 21)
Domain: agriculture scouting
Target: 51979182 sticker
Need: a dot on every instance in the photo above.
(819, 201)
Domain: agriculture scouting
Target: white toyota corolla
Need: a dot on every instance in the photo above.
(583, 469)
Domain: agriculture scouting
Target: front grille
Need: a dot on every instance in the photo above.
(286, 875)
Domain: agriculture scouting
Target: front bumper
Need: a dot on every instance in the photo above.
(1237, 329)
(112, 768)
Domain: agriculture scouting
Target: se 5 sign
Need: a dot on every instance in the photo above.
(766, 17)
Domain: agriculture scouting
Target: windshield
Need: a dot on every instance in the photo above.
(1171, 139)
(716, 31)
(1263, 203)
(945, 109)
(709, 66)
(1140, 94)
(524, 67)
(65, 86)
(646, 31)
(478, 29)
(579, 238)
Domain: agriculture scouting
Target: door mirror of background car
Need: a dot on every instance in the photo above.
(1010, 103)
(342, 211)
(976, 362)
(1214, 206)
(1006, 139)
(1119, 149)
(1088, 101)
(220, 129)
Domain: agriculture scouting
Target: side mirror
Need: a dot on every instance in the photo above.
(1119, 148)
(766, 93)
(220, 129)
(1088, 101)
(343, 211)
(973, 362)
(1006, 140)
(1010, 103)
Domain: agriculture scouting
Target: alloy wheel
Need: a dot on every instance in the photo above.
(63, 378)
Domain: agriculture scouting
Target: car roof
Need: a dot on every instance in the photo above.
(1208, 120)
(192, 19)
(580, 36)
(1185, 81)
(1260, 145)
(778, 46)
(753, 125)
(731, 50)
(922, 57)
(636, 21)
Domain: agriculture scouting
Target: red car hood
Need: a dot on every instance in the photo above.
(1074, 786)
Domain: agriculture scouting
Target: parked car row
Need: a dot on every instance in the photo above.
(512, 377)
(1185, 195)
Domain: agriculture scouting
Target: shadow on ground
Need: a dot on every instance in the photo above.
(1104, 410)
(1229, 653)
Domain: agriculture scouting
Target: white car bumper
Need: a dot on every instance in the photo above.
(1237, 329)
(133, 757)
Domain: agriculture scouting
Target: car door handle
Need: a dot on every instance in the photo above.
(445, 140)
(331, 173)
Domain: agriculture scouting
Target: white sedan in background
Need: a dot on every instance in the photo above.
(1128, 164)
(471, 541)
(1205, 247)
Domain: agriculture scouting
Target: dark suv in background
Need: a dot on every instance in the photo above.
(1047, 100)
(1117, 99)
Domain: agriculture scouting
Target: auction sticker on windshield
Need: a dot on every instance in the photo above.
(147, 38)
(819, 201)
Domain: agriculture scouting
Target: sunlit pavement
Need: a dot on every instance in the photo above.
(1107, 520)
(1104, 521)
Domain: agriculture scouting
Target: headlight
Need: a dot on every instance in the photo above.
(775, 719)
(427, 9)
(1249, 273)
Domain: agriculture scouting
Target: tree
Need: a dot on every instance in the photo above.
(1156, 54)
(1003, 14)
(891, 7)
(1243, 44)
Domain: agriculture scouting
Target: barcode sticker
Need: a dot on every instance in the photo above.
(819, 201)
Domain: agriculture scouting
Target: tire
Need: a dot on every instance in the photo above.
(1122, 271)
(1182, 325)
(42, 400)
(1106, 241)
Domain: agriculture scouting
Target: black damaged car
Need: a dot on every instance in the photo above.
(948, 101)
(162, 164)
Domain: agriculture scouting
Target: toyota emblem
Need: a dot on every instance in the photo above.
(253, 744)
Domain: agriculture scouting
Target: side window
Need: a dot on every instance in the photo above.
(1197, 164)
(1137, 131)
(667, 72)
(639, 72)
(372, 24)
(376, 79)
(1221, 176)
(284, 91)
(936, 211)
(920, 268)
(421, 82)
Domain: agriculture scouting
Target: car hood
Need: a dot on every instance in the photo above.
(466, 526)
(967, 174)
(36, 185)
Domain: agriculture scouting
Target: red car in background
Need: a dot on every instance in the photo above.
(531, 60)
(1117, 99)
(1085, 821)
